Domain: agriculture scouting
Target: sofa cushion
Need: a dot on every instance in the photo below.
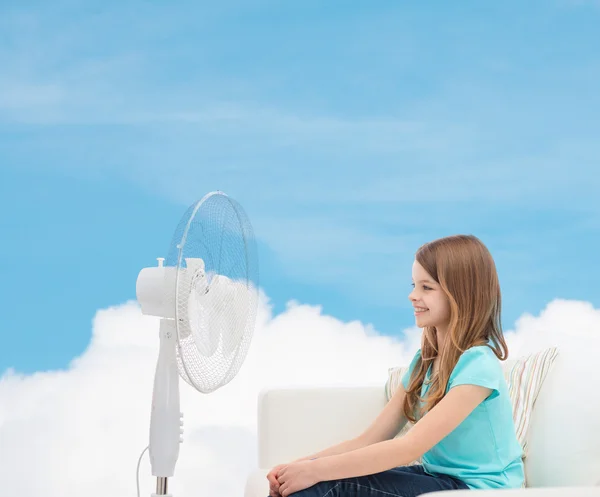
(524, 376)
(564, 437)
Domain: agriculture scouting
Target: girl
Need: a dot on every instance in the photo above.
(454, 391)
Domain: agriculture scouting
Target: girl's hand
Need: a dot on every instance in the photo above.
(297, 476)
(273, 483)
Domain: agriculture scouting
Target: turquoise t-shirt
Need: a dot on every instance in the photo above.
(483, 451)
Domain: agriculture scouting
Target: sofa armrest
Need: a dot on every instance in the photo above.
(296, 422)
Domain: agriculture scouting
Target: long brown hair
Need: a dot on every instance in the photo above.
(465, 270)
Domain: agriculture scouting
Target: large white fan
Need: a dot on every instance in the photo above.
(206, 294)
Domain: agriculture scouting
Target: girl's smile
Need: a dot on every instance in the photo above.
(430, 304)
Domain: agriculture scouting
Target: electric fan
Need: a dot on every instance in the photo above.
(206, 294)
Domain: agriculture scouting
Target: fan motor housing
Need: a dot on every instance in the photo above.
(155, 291)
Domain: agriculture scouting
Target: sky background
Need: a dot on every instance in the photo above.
(350, 132)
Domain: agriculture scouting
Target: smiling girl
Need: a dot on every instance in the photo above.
(454, 391)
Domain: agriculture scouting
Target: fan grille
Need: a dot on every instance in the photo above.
(216, 306)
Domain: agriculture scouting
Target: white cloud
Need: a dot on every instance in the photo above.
(564, 323)
(80, 431)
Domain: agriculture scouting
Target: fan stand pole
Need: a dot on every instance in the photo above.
(161, 486)
(166, 420)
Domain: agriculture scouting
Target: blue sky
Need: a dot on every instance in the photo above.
(350, 132)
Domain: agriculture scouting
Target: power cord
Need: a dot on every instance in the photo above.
(137, 477)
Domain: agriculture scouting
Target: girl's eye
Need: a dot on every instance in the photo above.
(425, 287)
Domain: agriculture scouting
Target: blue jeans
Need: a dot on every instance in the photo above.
(404, 481)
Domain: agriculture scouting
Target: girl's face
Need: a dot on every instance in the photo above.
(431, 306)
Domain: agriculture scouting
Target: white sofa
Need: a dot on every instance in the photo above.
(563, 456)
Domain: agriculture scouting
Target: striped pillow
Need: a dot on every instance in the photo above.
(524, 376)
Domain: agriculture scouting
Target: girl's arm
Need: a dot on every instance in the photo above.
(427, 432)
(341, 448)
